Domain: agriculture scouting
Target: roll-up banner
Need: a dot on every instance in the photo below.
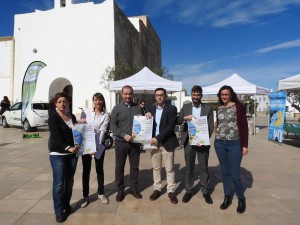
(277, 116)
(29, 85)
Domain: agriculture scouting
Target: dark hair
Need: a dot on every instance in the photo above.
(141, 101)
(100, 96)
(127, 87)
(61, 95)
(196, 88)
(234, 97)
(52, 104)
(161, 89)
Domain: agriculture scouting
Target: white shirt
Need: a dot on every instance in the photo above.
(196, 111)
(100, 123)
(159, 111)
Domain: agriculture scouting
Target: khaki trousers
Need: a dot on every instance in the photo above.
(158, 155)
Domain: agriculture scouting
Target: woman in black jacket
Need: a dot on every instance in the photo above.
(62, 156)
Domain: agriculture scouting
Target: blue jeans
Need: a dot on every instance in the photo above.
(63, 167)
(230, 157)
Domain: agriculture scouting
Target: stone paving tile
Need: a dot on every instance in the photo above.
(9, 218)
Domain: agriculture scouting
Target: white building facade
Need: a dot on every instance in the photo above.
(78, 42)
(6, 67)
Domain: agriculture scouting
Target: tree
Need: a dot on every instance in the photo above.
(294, 99)
(165, 73)
(249, 102)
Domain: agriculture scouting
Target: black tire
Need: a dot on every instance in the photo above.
(4, 122)
(108, 141)
(26, 126)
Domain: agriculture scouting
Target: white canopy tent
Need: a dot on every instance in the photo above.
(290, 84)
(240, 86)
(145, 81)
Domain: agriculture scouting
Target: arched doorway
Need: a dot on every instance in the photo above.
(62, 85)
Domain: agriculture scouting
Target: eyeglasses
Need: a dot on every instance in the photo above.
(160, 95)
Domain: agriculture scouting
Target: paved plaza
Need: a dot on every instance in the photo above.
(270, 173)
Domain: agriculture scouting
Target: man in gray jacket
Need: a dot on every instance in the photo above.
(188, 111)
(121, 125)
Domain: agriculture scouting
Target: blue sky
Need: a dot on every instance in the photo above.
(204, 42)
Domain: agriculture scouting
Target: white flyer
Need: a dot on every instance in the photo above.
(198, 131)
(142, 131)
(84, 136)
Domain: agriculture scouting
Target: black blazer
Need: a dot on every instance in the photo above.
(60, 134)
(167, 137)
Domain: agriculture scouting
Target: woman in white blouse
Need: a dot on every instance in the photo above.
(99, 118)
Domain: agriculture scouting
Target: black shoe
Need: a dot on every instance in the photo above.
(173, 198)
(187, 197)
(68, 210)
(241, 206)
(61, 219)
(120, 196)
(208, 198)
(155, 195)
(227, 202)
(135, 193)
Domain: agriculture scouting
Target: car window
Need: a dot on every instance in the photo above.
(16, 106)
(40, 106)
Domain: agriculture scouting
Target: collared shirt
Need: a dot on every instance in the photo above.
(159, 111)
(127, 104)
(196, 111)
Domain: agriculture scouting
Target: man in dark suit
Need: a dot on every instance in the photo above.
(188, 111)
(164, 137)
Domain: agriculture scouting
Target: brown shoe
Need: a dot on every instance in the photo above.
(155, 195)
(173, 197)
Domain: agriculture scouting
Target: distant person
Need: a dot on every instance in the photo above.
(62, 156)
(187, 113)
(99, 118)
(142, 105)
(5, 104)
(121, 125)
(231, 144)
(165, 140)
(52, 108)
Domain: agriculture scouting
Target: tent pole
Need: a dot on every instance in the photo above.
(254, 129)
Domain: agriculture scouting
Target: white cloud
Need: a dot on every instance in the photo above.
(284, 45)
(217, 13)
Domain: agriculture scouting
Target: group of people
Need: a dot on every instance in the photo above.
(231, 143)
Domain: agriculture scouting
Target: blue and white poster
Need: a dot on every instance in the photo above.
(277, 116)
(198, 131)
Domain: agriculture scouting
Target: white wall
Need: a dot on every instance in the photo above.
(75, 42)
(6, 68)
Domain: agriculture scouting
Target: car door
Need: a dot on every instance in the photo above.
(14, 116)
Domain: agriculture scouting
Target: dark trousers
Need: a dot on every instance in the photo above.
(202, 153)
(122, 149)
(86, 165)
(63, 167)
(230, 157)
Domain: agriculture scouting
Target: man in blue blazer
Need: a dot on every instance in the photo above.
(187, 112)
(165, 139)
